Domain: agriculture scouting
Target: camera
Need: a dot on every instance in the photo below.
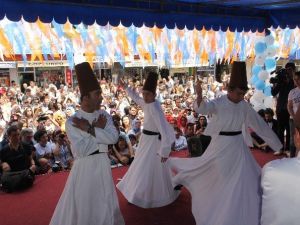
(56, 167)
(42, 117)
(280, 76)
(62, 136)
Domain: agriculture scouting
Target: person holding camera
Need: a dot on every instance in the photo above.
(293, 105)
(282, 84)
(62, 151)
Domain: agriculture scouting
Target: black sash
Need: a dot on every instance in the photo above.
(148, 132)
(230, 133)
(95, 152)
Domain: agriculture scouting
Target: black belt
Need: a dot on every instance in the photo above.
(95, 152)
(148, 132)
(230, 133)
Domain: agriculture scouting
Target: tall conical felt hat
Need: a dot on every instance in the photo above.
(238, 78)
(151, 82)
(87, 80)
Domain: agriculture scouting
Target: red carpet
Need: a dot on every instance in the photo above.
(36, 205)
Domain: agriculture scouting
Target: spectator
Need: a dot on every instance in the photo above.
(134, 142)
(182, 122)
(62, 151)
(125, 126)
(190, 131)
(44, 152)
(27, 140)
(132, 113)
(194, 142)
(280, 206)
(136, 128)
(267, 115)
(200, 125)
(16, 162)
(180, 141)
(192, 117)
(121, 151)
(281, 88)
(69, 112)
(293, 105)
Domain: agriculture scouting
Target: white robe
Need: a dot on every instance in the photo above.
(89, 196)
(147, 182)
(225, 181)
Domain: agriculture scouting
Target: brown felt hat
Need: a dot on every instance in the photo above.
(87, 80)
(238, 78)
(151, 82)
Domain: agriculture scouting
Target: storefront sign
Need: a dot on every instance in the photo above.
(8, 65)
(54, 63)
(180, 70)
(140, 64)
(205, 68)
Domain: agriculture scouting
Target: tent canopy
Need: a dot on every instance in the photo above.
(241, 15)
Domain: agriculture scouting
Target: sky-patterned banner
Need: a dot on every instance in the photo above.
(163, 47)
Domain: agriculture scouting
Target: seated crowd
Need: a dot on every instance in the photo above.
(34, 121)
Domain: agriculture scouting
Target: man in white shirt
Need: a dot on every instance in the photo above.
(192, 117)
(44, 151)
(281, 185)
(180, 141)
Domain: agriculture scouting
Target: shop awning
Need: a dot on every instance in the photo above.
(241, 15)
(168, 13)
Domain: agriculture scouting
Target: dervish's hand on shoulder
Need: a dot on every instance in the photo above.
(81, 123)
(100, 122)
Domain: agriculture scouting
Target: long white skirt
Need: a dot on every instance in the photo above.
(89, 196)
(147, 182)
(224, 183)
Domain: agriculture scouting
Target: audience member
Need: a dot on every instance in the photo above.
(281, 89)
(180, 141)
(44, 151)
(293, 104)
(16, 162)
(279, 205)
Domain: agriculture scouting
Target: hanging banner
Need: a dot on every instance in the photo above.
(69, 79)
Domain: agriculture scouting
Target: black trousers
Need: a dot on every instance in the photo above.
(283, 117)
